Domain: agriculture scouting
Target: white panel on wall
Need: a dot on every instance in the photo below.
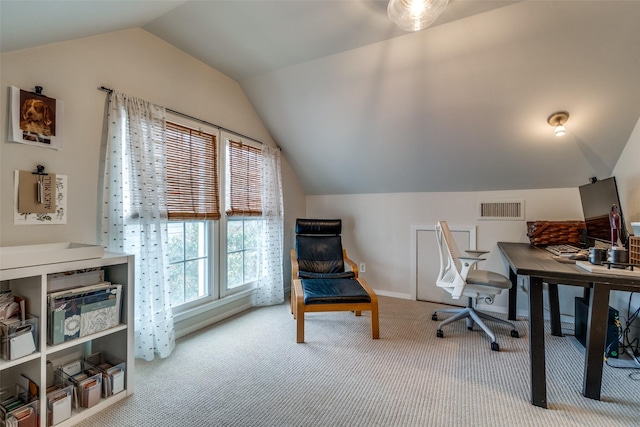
(427, 260)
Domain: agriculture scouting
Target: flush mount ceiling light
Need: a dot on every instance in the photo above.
(415, 15)
(558, 120)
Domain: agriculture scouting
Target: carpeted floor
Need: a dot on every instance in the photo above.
(249, 371)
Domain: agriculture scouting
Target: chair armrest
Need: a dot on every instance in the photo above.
(467, 264)
(350, 263)
(475, 253)
(470, 260)
(294, 264)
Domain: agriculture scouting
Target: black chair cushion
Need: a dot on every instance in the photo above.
(319, 254)
(312, 275)
(330, 291)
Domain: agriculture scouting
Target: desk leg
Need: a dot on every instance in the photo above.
(513, 294)
(596, 337)
(536, 344)
(554, 306)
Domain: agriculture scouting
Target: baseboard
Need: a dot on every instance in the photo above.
(392, 294)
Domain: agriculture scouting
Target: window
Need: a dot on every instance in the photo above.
(199, 272)
(188, 261)
(193, 205)
(244, 209)
(242, 251)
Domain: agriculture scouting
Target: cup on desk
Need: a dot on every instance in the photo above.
(597, 255)
(618, 255)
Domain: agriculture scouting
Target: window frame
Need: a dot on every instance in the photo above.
(216, 230)
(225, 137)
(210, 234)
(212, 227)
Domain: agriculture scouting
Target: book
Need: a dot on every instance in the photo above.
(103, 313)
(66, 309)
(73, 279)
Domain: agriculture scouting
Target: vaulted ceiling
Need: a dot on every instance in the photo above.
(360, 106)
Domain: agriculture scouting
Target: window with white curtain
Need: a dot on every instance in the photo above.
(212, 255)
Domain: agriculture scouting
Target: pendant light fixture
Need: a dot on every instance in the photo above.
(557, 120)
(415, 15)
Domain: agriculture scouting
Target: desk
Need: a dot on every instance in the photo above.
(541, 267)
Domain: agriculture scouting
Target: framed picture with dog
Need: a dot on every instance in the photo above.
(35, 119)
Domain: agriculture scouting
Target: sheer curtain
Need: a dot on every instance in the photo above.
(270, 282)
(134, 214)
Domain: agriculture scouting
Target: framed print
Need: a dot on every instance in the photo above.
(56, 216)
(35, 119)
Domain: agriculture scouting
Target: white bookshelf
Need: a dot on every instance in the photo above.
(30, 282)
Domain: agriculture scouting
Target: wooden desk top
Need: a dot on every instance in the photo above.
(528, 260)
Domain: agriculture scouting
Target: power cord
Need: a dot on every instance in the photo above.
(626, 346)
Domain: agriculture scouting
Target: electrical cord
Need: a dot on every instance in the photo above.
(625, 346)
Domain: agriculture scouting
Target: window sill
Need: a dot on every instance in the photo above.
(193, 319)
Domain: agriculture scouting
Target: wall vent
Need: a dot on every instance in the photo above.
(503, 210)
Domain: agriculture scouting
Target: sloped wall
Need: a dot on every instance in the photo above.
(134, 62)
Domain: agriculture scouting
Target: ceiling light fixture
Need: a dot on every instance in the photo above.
(415, 15)
(558, 120)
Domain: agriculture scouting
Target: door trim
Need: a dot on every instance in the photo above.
(415, 228)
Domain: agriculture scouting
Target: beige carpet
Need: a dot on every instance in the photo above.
(248, 371)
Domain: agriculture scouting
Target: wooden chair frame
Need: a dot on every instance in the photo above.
(298, 307)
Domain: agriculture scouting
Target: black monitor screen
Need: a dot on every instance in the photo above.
(597, 199)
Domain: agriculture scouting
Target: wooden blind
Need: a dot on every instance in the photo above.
(245, 188)
(192, 174)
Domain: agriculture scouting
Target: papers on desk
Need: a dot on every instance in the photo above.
(602, 269)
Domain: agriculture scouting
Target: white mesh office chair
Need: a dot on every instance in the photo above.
(458, 277)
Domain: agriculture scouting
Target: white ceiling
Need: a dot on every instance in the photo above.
(360, 106)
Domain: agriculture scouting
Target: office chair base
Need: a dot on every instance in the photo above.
(473, 317)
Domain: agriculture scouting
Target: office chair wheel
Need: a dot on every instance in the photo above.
(495, 346)
(439, 333)
(434, 316)
(515, 334)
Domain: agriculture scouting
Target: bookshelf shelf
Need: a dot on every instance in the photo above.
(30, 282)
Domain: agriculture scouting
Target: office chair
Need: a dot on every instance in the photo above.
(458, 278)
(320, 280)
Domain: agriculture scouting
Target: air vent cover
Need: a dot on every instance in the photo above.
(503, 209)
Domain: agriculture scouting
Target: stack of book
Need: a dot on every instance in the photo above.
(82, 311)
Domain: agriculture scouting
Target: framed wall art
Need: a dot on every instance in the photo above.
(35, 119)
(53, 206)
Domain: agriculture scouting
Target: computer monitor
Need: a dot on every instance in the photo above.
(597, 199)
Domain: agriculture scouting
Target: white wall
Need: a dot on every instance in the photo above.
(627, 173)
(134, 62)
(377, 228)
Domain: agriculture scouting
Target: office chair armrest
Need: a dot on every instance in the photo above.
(476, 254)
(350, 263)
(470, 260)
(467, 264)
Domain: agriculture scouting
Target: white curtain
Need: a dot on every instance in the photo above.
(270, 283)
(134, 215)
